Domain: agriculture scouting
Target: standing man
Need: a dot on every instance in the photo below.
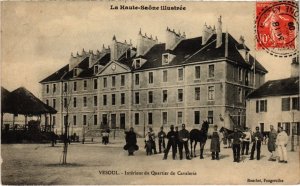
(246, 141)
(153, 146)
(256, 139)
(184, 137)
(216, 138)
(131, 142)
(161, 139)
(171, 143)
(281, 143)
(236, 137)
(272, 143)
(176, 140)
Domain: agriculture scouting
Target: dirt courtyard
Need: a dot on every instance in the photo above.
(96, 164)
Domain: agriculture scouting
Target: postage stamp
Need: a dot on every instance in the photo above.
(277, 27)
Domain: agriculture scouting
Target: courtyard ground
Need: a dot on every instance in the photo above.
(95, 163)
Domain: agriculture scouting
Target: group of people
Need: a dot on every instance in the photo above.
(240, 142)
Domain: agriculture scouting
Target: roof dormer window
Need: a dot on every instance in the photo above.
(96, 69)
(137, 63)
(165, 58)
(75, 72)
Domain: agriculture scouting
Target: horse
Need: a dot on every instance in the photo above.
(196, 136)
(226, 132)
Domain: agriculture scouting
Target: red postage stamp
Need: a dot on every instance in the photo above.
(277, 27)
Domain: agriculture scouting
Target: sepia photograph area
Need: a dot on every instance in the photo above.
(149, 93)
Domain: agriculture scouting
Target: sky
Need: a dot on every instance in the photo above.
(37, 38)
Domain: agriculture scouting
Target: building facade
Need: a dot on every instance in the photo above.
(156, 84)
(276, 103)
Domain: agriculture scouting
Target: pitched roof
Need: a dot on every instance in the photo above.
(187, 51)
(22, 101)
(281, 87)
(5, 106)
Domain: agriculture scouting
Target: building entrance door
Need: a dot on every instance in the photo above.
(122, 121)
(262, 127)
(113, 121)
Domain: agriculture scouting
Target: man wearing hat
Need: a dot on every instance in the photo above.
(216, 138)
(256, 144)
(171, 143)
(161, 139)
(184, 137)
(236, 137)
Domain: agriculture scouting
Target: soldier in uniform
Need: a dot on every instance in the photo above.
(216, 138)
(176, 140)
(153, 140)
(161, 139)
(256, 144)
(171, 143)
(236, 137)
(272, 143)
(184, 137)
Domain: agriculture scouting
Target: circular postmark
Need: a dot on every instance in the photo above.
(277, 27)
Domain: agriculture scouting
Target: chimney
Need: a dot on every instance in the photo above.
(74, 61)
(207, 32)
(295, 67)
(219, 32)
(117, 49)
(172, 38)
(144, 43)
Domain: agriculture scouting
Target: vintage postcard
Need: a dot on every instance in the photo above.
(150, 92)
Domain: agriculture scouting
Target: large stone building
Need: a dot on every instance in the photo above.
(156, 84)
(276, 103)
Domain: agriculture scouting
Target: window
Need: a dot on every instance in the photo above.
(84, 101)
(74, 120)
(113, 99)
(165, 96)
(211, 93)
(197, 72)
(240, 74)
(113, 81)
(95, 84)
(122, 98)
(197, 93)
(47, 102)
(75, 72)
(295, 103)
(197, 117)
(74, 102)
(263, 106)
(179, 118)
(53, 121)
(65, 102)
(54, 103)
(164, 118)
(122, 80)
(95, 101)
(210, 117)
(84, 84)
(240, 93)
(165, 76)
(47, 88)
(257, 106)
(150, 118)
(104, 99)
(150, 77)
(150, 97)
(285, 104)
(75, 86)
(96, 69)
(137, 63)
(104, 119)
(105, 82)
(180, 74)
(247, 78)
(136, 118)
(180, 95)
(95, 120)
(84, 120)
(54, 88)
(211, 71)
(137, 98)
(137, 79)
(65, 87)
(165, 58)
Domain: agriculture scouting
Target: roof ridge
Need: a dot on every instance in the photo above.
(199, 50)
